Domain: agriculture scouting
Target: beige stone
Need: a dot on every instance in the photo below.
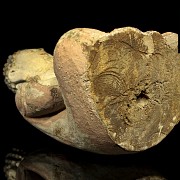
(37, 100)
(124, 82)
(29, 65)
(30, 74)
(121, 90)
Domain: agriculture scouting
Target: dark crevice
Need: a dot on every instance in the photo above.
(50, 114)
(142, 95)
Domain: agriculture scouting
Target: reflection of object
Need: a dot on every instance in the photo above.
(12, 161)
(49, 165)
(121, 89)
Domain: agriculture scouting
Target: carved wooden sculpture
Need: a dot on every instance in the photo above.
(121, 89)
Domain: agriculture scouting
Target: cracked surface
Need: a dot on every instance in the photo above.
(136, 86)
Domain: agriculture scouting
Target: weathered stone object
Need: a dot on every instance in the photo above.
(30, 71)
(121, 90)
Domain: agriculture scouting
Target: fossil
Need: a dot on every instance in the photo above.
(30, 72)
(119, 92)
(29, 65)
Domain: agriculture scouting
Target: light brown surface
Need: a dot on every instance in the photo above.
(36, 100)
(121, 90)
(125, 81)
(136, 86)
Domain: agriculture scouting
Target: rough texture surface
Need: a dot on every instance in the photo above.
(126, 81)
(136, 86)
(29, 65)
(29, 73)
(36, 100)
(121, 89)
(70, 66)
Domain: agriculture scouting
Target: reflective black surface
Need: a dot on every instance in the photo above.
(49, 164)
(162, 159)
(37, 28)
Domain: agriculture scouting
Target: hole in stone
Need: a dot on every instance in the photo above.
(142, 95)
(142, 99)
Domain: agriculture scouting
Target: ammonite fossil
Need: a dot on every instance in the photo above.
(115, 92)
